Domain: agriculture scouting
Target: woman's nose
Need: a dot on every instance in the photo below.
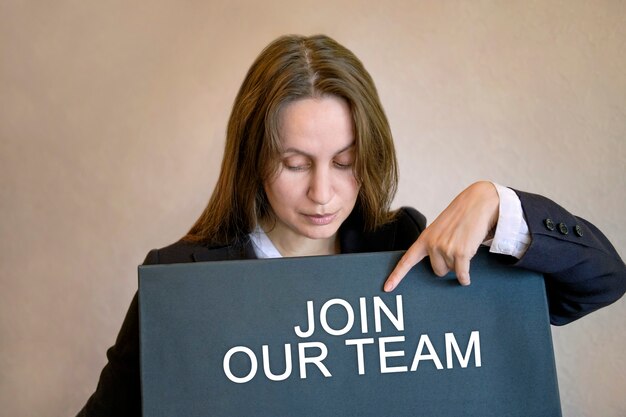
(320, 188)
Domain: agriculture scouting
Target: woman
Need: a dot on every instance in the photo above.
(310, 169)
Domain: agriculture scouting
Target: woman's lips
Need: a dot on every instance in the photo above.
(321, 219)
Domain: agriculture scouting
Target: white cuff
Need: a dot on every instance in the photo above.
(511, 236)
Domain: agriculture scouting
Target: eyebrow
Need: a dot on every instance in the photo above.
(300, 152)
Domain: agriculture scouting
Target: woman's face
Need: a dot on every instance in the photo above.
(314, 189)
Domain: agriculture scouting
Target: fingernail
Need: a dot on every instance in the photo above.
(388, 286)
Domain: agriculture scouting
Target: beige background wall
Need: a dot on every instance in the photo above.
(112, 123)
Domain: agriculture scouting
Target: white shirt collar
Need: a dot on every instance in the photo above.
(262, 245)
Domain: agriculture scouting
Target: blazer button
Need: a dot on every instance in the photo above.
(563, 229)
(578, 230)
(549, 224)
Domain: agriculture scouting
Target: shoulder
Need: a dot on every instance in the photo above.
(407, 225)
(400, 233)
(185, 251)
(178, 252)
(409, 217)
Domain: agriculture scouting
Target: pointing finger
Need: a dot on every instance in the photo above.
(413, 255)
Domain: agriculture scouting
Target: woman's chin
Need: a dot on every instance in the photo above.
(320, 232)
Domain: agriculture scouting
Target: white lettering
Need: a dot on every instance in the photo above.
(397, 320)
(308, 333)
(363, 307)
(349, 311)
(473, 344)
(253, 364)
(432, 355)
(266, 364)
(384, 354)
(317, 360)
(359, 351)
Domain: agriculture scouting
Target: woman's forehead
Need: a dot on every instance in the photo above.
(316, 125)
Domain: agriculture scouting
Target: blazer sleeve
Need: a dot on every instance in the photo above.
(118, 392)
(583, 271)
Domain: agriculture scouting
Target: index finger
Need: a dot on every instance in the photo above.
(413, 255)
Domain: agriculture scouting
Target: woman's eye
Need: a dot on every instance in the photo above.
(343, 164)
(296, 165)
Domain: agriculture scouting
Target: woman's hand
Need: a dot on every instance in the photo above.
(454, 237)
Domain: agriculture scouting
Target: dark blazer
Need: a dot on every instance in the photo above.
(582, 270)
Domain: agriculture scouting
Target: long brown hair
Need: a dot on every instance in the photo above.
(291, 68)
